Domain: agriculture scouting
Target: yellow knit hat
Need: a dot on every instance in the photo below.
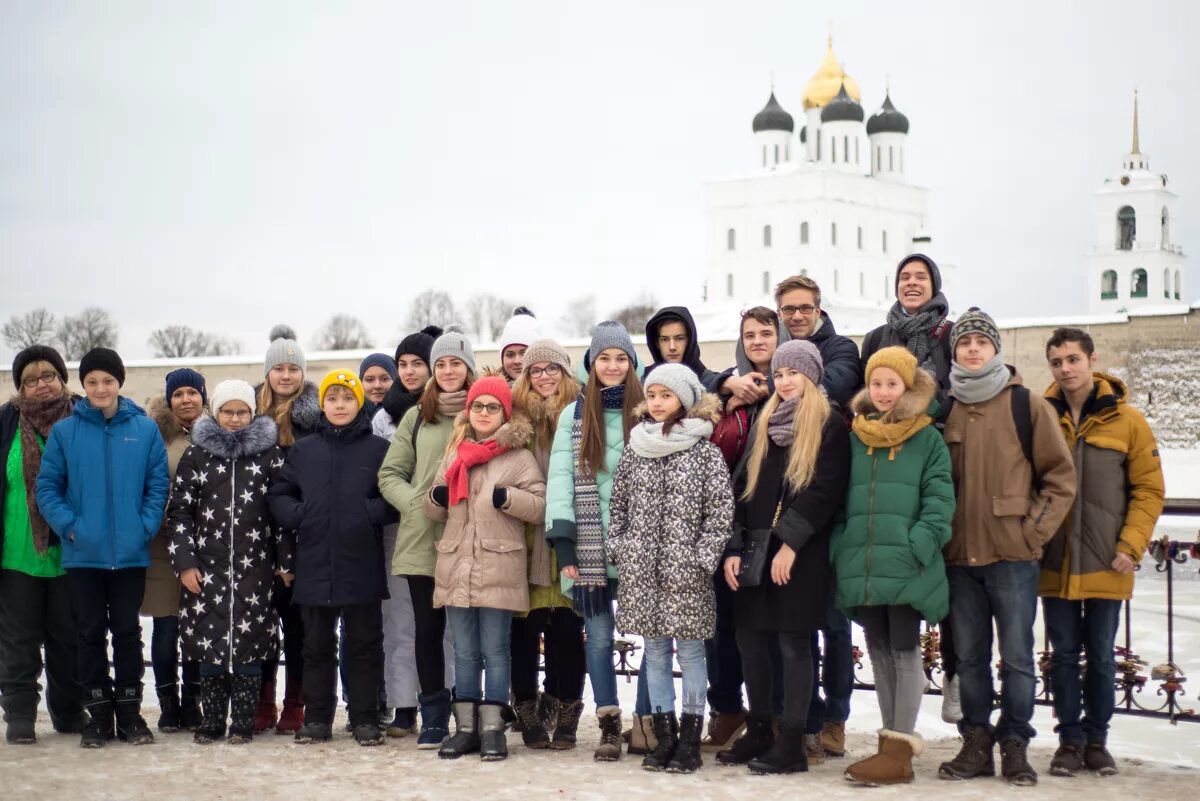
(347, 378)
(898, 359)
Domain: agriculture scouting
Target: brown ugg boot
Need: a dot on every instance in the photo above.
(724, 728)
(892, 764)
(642, 739)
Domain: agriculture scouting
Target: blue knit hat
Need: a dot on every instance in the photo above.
(609, 334)
(378, 360)
(186, 377)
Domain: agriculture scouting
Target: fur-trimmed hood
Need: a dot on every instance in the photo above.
(159, 410)
(913, 403)
(306, 408)
(515, 433)
(707, 408)
(260, 435)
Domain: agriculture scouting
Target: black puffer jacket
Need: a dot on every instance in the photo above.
(327, 494)
(843, 369)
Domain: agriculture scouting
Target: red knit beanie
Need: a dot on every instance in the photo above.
(495, 386)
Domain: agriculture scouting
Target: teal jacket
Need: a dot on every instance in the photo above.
(886, 549)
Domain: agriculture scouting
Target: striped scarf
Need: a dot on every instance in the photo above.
(590, 595)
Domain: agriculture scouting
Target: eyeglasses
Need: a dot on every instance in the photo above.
(552, 370)
(490, 408)
(239, 414)
(47, 377)
(788, 311)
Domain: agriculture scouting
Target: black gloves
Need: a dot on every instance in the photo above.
(499, 497)
(441, 495)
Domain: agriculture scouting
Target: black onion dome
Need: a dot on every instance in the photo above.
(773, 118)
(843, 108)
(887, 120)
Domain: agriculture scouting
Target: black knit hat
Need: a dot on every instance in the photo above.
(935, 275)
(38, 353)
(105, 359)
(419, 344)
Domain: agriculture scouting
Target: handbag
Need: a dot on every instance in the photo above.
(754, 552)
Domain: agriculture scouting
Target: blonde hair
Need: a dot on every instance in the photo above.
(807, 428)
(544, 412)
(278, 409)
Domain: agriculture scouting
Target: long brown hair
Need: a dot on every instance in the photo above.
(592, 444)
(544, 412)
(278, 409)
(427, 406)
(807, 428)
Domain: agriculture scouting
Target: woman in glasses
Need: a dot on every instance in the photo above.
(35, 599)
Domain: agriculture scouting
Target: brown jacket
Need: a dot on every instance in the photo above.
(481, 560)
(1003, 514)
(162, 585)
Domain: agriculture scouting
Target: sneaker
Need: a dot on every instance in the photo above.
(1014, 764)
(314, 733)
(367, 734)
(1096, 757)
(1067, 761)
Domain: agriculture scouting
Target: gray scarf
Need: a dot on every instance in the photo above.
(647, 440)
(979, 386)
(779, 427)
(914, 330)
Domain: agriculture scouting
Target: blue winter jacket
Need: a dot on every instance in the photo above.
(103, 486)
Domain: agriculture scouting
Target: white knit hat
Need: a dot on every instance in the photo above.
(521, 329)
(231, 390)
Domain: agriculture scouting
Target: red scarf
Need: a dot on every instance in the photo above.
(469, 455)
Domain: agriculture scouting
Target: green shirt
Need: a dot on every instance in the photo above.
(19, 553)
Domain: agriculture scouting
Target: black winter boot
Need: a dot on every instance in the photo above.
(131, 726)
(314, 732)
(666, 732)
(786, 755)
(493, 746)
(533, 733)
(567, 725)
(72, 723)
(1014, 763)
(975, 758)
(686, 758)
(20, 712)
(243, 701)
(759, 736)
(170, 718)
(99, 729)
(548, 708)
(435, 719)
(465, 739)
(189, 700)
(214, 700)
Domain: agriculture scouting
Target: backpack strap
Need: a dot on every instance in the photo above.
(1022, 418)
(940, 329)
(416, 428)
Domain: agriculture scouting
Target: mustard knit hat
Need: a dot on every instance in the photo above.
(346, 378)
(898, 359)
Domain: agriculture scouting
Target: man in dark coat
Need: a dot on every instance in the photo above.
(671, 338)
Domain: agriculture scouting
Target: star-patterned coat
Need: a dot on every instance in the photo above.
(221, 525)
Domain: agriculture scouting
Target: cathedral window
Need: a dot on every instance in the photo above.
(856, 151)
(804, 233)
(883, 240)
(1126, 228)
(764, 155)
(860, 238)
(879, 158)
(729, 284)
(846, 149)
(766, 236)
(776, 154)
(1137, 281)
(1178, 284)
(766, 282)
(1108, 285)
(891, 158)
(833, 149)
(833, 234)
(731, 239)
(1166, 282)
(835, 281)
(1166, 227)
(862, 285)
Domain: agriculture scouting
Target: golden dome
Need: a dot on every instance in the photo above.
(824, 85)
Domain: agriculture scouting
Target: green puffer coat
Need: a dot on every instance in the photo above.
(887, 548)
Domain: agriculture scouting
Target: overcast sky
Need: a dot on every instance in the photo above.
(233, 165)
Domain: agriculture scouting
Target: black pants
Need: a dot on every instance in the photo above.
(431, 629)
(363, 655)
(37, 612)
(724, 659)
(292, 624)
(565, 664)
(794, 674)
(107, 602)
(946, 643)
(164, 656)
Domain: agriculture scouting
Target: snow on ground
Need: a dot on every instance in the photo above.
(1181, 469)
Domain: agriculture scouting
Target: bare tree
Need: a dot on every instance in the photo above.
(433, 306)
(91, 328)
(486, 315)
(635, 315)
(580, 317)
(181, 340)
(31, 328)
(343, 332)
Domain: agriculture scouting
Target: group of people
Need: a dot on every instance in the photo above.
(732, 520)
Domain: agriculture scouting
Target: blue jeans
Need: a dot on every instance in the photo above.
(1005, 592)
(482, 652)
(642, 706)
(1091, 626)
(660, 679)
(837, 677)
(600, 668)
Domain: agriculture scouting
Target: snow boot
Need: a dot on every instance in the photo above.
(70, 724)
(493, 746)
(1098, 759)
(131, 726)
(189, 703)
(214, 703)
(641, 735)
(403, 723)
(435, 719)
(465, 739)
(891, 764)
(20, 711)
(566, 723)
(267, 714)
(759, 737)
(1014, 764)
(724, 728)
(813, 749)
(951, 702)
(20, 731)
(548, 710)
(170, 718)
(533, 733)
(609, 718)
(786, 755)
(367, 733)
(314, 732)
(975, 758)
(666, 737)
(1067, 760)
(686, 758)
(292, 716)
(100, 728)
(243, 700)
(833, 738)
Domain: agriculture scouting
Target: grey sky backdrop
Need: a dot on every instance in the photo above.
(233, 165)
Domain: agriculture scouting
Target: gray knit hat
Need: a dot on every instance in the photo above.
(975, 321)
(802, 355)
(680, 379)
(546, 350)
(453, 342)
(609, 334)
(284, 351)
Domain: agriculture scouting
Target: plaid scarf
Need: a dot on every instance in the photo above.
(37, 417)
(591, 595)
(914, 330)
